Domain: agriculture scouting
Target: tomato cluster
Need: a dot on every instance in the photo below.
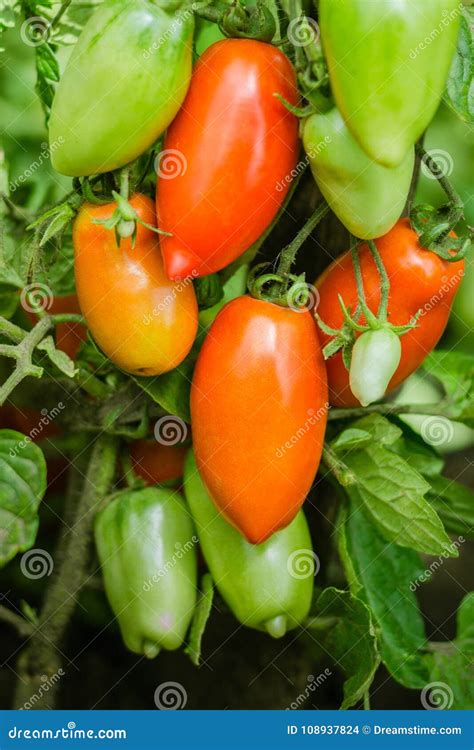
(261, 387)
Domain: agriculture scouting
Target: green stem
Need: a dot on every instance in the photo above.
(435, 410)
(64, 6)
(23, 353)
(453, 196)
(70, 573)
(288, 255)
(368, 314)
(384, 282)
(124, 182)
(22, 626)
(366, 701)
(336, 467)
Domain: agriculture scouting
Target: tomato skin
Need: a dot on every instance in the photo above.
(235, 144)
(125, 81)
(386, 78)
(143, 322)
(157, 463)
(69, 336)
(419, 279)
(261, 371)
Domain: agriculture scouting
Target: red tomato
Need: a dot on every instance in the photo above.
(157, 463)
(259, 407)
(69, 336)
(419, 280)
(233, 146)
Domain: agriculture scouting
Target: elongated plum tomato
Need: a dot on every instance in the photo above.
(419, 280)
(227, 157)
(143, 322)
(262, 372)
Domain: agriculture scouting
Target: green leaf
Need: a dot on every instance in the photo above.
(350, 639)
(351, 438)
(59, 358)
(392, 492)
(46, 63)
(420, 456)
(209, 291)
(171, 390)
(455, 372)
(200, 618)
(451, 665)
(22, 486)
(454, 504)
(385, 573)
(460, 84)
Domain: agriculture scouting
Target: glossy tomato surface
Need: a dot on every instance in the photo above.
(419, 280)
(143, 322)
(227, 158)
(258, 408)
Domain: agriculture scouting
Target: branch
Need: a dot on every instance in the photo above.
(441, 409)
(22, 626)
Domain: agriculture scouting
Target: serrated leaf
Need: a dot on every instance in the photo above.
(171, 390)
(454, 504)
(200, 618)
(460, 84)
(59, 358)
(350, 640)
(392, 492)
(351, 438)
(386, 574)
(22, 486)
(455, 372)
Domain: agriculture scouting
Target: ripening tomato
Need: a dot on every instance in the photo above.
(258, 409)
(68, 336)
(419, 281)
(143, 322)
(155, 462)
(228, 156)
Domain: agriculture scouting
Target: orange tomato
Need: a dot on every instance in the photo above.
(157, 463)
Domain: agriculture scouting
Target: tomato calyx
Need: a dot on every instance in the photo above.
(373, 356)
(236, 20)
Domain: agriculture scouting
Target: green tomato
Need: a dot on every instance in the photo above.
(267, 586)
(441, 433)
(123, 84)
(367, 197)
(147, 549)
(375, 358)
(388, 63)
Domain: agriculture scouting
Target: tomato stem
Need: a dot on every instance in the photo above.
(384, 282)
(288, 254)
